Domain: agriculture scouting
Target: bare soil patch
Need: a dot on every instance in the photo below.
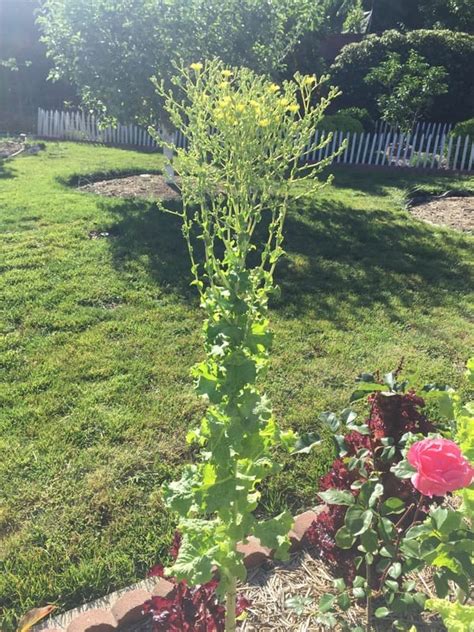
(454, 212)
(145, 185)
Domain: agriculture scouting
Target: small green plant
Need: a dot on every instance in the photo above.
(408, 88)
(247, 137)
(456, 617)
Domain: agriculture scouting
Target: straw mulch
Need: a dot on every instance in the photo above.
(268, 588)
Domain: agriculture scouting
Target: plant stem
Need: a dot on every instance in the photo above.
(400, 534)
(368, 576)
(230, 607)
(417, 510)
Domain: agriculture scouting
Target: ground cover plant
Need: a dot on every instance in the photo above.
(99, 327)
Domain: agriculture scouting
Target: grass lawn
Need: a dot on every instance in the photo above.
(98, 335)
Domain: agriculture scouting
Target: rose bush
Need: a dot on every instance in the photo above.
(440, 467)
(386, 517)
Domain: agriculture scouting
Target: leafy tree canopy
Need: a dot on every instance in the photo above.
(453, 51)
(111, 49)
(408, 88)
(457, 15)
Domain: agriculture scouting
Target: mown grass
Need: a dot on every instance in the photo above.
(98, 335)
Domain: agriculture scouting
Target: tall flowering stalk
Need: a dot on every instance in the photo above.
(247, 138)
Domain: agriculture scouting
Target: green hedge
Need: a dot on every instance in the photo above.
(454, 51)
(341, 122)
(463, 129)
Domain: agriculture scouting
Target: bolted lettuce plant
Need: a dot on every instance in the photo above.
(243, 161)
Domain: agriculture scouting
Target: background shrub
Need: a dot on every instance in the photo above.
(463, 129)
(341, 122)
(360, 114)
(454, 51)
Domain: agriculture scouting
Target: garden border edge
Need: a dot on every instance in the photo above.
(121, 610)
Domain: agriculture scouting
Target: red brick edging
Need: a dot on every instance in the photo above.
(127, 608)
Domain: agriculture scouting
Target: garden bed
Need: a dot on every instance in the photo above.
(285, 597)
(145, 185)
(9, 148)
(452, 211)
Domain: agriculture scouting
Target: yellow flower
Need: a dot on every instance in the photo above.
(264, 122)
(225, 101)
(293, 107)
(240, 107)
(256, 106)
(309, 80)
(273, 87)
(224, 84)
(227, 73)
(284, 102)
(197, 66)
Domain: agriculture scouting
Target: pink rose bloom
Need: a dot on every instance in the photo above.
(440, 466)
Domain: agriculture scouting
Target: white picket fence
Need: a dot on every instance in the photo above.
(427, 150)
(428, 146)
(80, 126)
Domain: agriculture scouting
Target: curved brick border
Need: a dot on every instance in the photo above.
(123, 608)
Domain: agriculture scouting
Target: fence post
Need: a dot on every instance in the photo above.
(379, 148)
(441, 151)
(427, 151)
(471, 159)
(464, 153)
(401, 140)
(392, 146)
(417, 154)
(340, 140)
(372, 147)
(433, 151)
(346, 150)
(366, 146)
(353, 146)
(359, 148)
(456, 153)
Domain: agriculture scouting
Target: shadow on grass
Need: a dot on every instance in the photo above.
(6, 170)
(141, 231)
(408, 180)
(345, 260)
(340, 260)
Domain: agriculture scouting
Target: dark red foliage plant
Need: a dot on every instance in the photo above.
(373, 446)
(188, 608)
